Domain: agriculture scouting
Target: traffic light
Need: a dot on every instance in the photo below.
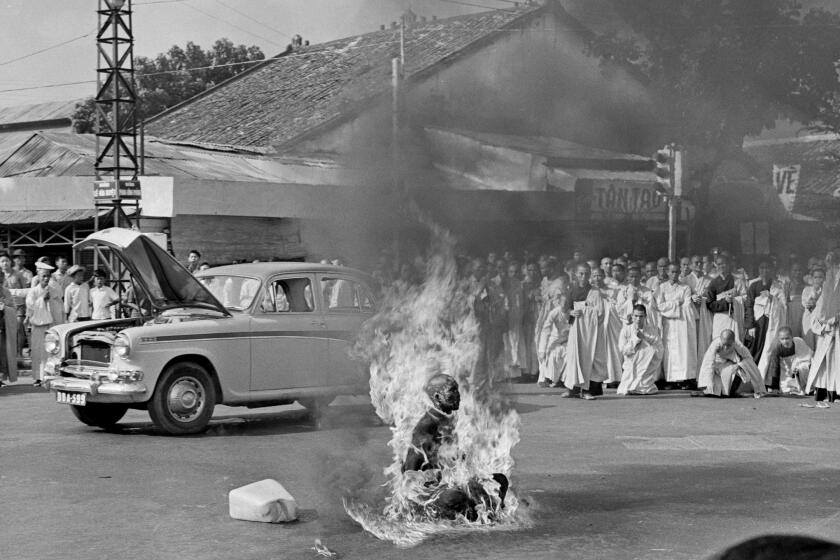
(662, 170)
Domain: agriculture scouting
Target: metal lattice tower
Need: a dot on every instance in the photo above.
(116, 103)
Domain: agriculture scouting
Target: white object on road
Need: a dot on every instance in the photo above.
(265, 501)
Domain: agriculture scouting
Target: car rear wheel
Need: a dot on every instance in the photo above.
(101, 415)
(184, 399)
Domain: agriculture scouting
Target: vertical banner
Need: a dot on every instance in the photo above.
(786, 183)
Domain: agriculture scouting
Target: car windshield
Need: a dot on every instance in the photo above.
(235, 292)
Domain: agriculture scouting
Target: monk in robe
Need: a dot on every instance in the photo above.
(725, 300)
(824, 375)
(810, 296)
(432, 433)
(513, 337)
(765, 310)
(552, 350)
(643, 295)
(679, 329)
(661, 274)
(530, 291)
(585, 369)
(619, 307)
(641, 349)
(785, 363)
(726, 365)
(702, 279)
(794, 288)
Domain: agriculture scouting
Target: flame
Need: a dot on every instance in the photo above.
(428, 330)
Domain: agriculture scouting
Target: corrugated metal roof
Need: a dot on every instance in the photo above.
(9, 217)
(56, 154)
(38, 111)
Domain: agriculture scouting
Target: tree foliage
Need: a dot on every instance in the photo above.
(177, 75)
(719, 70)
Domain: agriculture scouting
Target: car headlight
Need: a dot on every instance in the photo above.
(122, 346)
(52, 343)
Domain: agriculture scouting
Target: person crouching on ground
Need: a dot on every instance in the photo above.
(641, 347)
(726, 365)
(785, 363)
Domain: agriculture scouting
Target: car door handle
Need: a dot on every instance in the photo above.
(320, 324)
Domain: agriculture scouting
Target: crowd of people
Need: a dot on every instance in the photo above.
(701, 323)
(33, 301)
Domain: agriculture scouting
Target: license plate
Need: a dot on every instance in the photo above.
(79, 399)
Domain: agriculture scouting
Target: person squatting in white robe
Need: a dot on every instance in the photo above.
(785, 363)
(641, 347)
(726, 365)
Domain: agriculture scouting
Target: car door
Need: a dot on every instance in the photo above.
(347, 303)
(288, 344)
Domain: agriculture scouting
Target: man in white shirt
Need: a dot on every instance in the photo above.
(77, 296)
(102, 298)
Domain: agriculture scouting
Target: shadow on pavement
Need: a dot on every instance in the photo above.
(272, 423)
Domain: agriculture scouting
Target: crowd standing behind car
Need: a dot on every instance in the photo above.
(647, 325)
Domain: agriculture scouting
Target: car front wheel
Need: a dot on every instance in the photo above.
(184, 399)
(101, 415)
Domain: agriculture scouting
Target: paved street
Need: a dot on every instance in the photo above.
(667, 477)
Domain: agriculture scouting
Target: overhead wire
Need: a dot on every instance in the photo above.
(51, 47)
(210, 15)
(255, 20)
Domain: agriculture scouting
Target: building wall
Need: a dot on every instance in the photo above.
(223, 239)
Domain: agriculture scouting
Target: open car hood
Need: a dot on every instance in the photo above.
(166, 282)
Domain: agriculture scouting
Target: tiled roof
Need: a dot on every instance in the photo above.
(292, 94)
(819, 175)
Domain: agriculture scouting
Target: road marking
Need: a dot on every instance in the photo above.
(705, 443)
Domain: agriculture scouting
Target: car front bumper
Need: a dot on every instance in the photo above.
(100, 387)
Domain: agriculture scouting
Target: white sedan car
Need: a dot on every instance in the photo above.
(254, 335)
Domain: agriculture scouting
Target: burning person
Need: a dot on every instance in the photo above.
(432, 441)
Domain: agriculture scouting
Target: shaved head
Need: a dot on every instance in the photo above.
(727, 336)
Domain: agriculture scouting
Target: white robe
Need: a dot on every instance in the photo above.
(679, 331)
(586, 353)
(718, 369)
(642, 360)
(810, 296)
(825, 367)
(553, 351)
(619, 306)
(704, 317)
(799, 362)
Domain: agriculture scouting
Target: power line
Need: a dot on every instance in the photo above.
(51, 47)
(208, 14)
(243, 14)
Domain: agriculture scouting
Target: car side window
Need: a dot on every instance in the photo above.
(289, 295)
(345, 296)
